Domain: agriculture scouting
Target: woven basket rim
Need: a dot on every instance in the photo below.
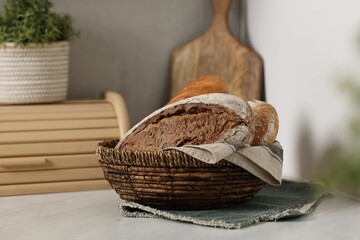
(13, 45)
(168, 158)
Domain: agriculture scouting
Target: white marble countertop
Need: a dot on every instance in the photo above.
(94, 215)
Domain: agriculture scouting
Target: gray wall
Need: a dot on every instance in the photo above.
(125, 46)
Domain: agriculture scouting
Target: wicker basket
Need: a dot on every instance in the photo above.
(174, 180)
(34, 73)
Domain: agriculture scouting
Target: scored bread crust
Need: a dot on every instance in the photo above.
(266, 123)
(202, 85)
(215, 103)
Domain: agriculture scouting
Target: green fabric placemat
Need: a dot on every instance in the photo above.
(291, 199)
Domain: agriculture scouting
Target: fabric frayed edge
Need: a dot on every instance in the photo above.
(288, 212)
(148, 212)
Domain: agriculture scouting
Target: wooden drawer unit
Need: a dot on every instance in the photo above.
(51, 147)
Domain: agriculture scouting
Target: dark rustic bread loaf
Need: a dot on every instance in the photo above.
(198, 120)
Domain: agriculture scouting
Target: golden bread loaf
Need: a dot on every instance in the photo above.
(202, 85)
(266, 122)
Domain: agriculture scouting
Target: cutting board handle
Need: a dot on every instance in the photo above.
(221, 10)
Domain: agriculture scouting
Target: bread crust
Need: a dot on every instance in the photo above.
(266, 123)
(202, 85)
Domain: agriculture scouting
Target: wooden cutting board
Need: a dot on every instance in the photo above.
(218, 52)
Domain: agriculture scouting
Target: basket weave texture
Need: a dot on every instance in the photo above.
(34, 73)
(174, 180)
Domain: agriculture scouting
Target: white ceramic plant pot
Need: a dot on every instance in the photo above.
(34, 73)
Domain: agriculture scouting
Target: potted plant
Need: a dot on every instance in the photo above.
(34, 52)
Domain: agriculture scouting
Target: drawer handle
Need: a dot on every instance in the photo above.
(18, 162)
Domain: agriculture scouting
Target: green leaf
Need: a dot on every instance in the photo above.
(34, 21)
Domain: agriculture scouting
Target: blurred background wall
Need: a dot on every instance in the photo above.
(125, 46)
(307, 47)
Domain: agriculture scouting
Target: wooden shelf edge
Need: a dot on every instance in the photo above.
(53, 187)
(121, 111)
